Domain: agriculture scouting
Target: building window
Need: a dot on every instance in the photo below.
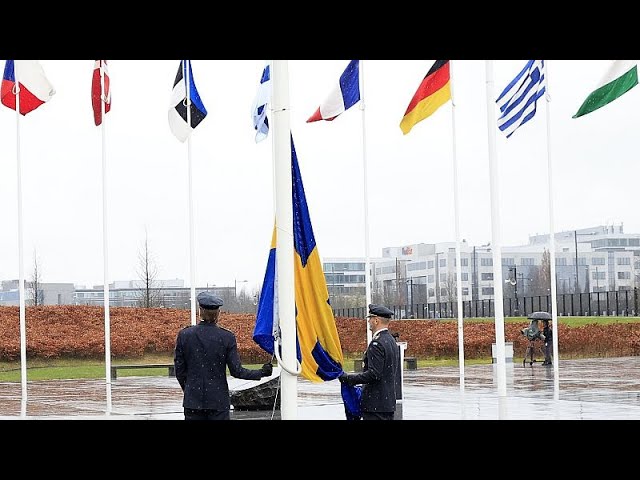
(416, 266)
(464, 262)
(561, 262)
(443, 277)
(443, 292)
(431, 278)
(527, 261)
(487, 290)
(431, 292)
(487, 276)
(430, 264)
(443, 262)
(598, 261)
(486, 262)
(508, 261)
(599, 275)
(624, 275)
(465, 290)
(465, 277)
(624, 261)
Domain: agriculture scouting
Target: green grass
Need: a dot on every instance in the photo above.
(63, 369)
(72, 368)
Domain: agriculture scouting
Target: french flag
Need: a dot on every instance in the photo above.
(343, 96)
(34, 87)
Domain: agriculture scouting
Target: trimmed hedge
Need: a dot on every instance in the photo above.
(78, 331)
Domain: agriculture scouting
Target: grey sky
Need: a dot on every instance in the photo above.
(410, 177)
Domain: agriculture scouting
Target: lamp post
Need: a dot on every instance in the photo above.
(235, 287)
(513, 280)
(575, 237)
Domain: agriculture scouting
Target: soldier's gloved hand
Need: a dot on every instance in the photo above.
(266, 370)
(343, 378)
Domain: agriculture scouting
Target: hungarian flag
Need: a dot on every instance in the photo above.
(100, 71)
(434, 91)
(621, 77)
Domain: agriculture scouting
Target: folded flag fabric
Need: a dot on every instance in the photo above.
(433, 92)
(259, 107)
(620, 77)
(33, 85)
(317, 343)
(343, 96)
(518, 100)
(97, 96)
(178, 104)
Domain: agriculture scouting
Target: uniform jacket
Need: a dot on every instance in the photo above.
(201, 357)
(378, 377)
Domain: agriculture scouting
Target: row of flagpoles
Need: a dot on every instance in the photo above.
(25, 88)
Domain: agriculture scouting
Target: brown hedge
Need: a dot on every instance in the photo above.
(78, 331)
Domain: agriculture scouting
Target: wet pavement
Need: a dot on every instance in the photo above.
(597, 389)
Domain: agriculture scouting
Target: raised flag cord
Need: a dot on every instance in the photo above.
(276, 345)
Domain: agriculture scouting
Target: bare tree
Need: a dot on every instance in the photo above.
(452, 287)
(149, 293)
(35, 293)
(541, 282)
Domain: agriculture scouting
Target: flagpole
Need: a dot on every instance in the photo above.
(284, 241)
(192, 255)
(23, 328)
(552, 244)
(105, 243)
(365, 181)
(456, 203)
(495, 237)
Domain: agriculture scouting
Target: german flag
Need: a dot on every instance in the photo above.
(434, 91)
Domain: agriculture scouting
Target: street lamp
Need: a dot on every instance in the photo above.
(513, 280)
(575, 237)
(235, 287)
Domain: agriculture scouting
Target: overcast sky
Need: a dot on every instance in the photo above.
(595, 160)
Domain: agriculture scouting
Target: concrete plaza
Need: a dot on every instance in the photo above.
(596, 389)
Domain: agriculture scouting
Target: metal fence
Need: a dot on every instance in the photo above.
(614, 303)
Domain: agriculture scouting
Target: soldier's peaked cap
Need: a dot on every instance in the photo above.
(209, 301)
(379, 311)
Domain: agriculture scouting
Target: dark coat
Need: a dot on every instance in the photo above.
(202, 354)
(378, 377)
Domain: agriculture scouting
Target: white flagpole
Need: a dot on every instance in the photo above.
(284, 241)
(552, 243)
(192, 250)
(365, 181)
(495, 235)
(105, 243)
(456, 203)
(23, 327)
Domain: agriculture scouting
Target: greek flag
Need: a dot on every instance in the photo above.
(517, 101)
(259, 108)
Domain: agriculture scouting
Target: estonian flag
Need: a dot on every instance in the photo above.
(178, 106)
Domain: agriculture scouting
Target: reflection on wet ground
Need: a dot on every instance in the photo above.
(604, 388)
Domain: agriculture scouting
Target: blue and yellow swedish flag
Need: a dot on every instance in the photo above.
(318, 345)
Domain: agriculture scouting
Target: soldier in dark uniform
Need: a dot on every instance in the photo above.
(548, 342)
(378, 377)
(201, 357)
